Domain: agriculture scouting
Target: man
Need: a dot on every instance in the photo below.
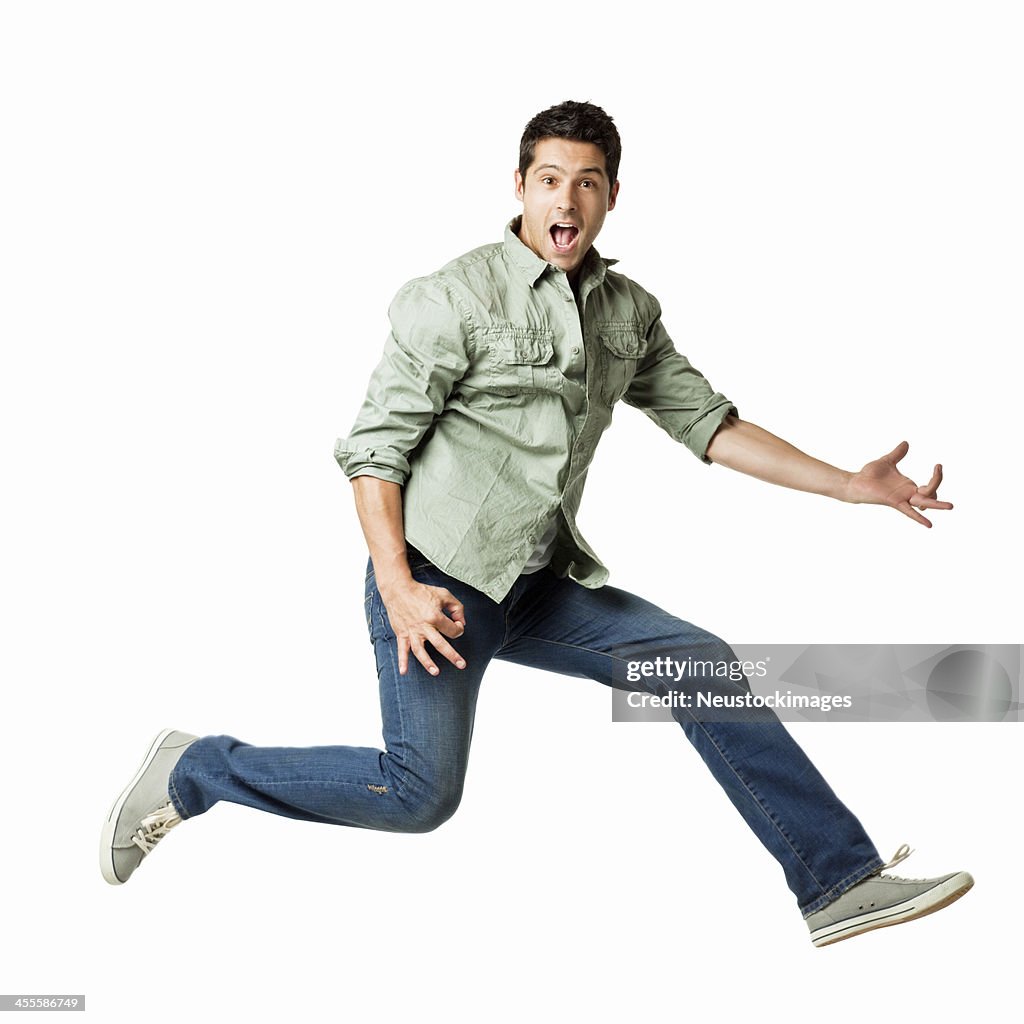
(468, 461)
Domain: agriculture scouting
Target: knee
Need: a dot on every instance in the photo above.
(699, 645)
(708, 659)
(714, 648)
(428, 810)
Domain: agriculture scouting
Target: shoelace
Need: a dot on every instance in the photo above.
(900, 855)
(154, 826)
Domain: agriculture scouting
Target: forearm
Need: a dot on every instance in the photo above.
(379, 507)
(750, 449)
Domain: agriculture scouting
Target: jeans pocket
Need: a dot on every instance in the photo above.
(368, 613)
(377, 618)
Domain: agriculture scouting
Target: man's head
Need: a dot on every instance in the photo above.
(567, 181)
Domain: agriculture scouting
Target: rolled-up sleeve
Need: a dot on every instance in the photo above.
(425, 354)
(675, 395)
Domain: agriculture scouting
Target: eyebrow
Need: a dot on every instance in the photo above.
(562, 170)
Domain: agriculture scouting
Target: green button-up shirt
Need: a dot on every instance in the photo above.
(495, 387)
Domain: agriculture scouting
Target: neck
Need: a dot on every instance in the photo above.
(574, 283)
(576, 274)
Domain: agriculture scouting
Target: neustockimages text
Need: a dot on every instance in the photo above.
(676, 699)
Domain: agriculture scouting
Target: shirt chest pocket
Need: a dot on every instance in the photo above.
(623, 345)
(519, 358)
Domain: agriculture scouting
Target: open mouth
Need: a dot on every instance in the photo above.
(563, 236)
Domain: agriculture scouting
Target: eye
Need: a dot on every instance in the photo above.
(586, 183)
(547, 179)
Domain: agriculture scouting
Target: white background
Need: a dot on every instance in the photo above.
(206, 208)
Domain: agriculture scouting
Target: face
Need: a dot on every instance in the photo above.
(565, 195)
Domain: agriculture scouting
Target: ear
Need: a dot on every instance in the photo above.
(519, 185)
(612, 196)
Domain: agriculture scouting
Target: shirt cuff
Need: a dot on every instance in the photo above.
(384, 463)
(700, 432)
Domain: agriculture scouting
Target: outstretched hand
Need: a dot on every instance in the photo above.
(881, 483)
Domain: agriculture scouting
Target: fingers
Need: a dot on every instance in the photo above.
(908, 510)
(929, 489)
(454, 607)
(933, 485)
(926, 496)
(449, 627)
(407, 643)
(920, 501)
(897, 453)
(433, 632)
(445, 649)
(417, 644)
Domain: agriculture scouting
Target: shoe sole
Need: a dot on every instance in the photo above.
(910, 910)
(110, 825)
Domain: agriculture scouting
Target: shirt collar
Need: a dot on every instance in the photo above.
(533, 266)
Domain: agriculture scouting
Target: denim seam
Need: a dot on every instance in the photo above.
(508, 618)
(840, 887)
(262, 784)
(320, 816)
(382, 622)
(400, 782)
(179, 805)
(575, 647)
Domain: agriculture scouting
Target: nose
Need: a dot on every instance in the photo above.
(565, 199)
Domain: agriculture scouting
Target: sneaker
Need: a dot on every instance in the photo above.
(882, 900)
(143, 814)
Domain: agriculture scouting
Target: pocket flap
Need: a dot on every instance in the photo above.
(523, 345)
(623, 340)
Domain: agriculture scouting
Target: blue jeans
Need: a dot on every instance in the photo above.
(545, 622)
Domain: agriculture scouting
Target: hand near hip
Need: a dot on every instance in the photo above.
(420, 614)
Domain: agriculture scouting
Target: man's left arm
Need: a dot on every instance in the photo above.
(750, 449)
(676, 396)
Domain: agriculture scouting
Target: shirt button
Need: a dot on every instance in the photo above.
(575, 350)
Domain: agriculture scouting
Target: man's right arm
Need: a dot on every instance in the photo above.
(426, 353)
(417, 612)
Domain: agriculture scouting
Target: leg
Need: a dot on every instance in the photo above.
(823, 849)
(413, 785)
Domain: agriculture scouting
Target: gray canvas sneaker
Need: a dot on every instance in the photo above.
(143, 814)
(882, 900)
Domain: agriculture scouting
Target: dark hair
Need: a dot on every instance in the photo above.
(582, 122)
